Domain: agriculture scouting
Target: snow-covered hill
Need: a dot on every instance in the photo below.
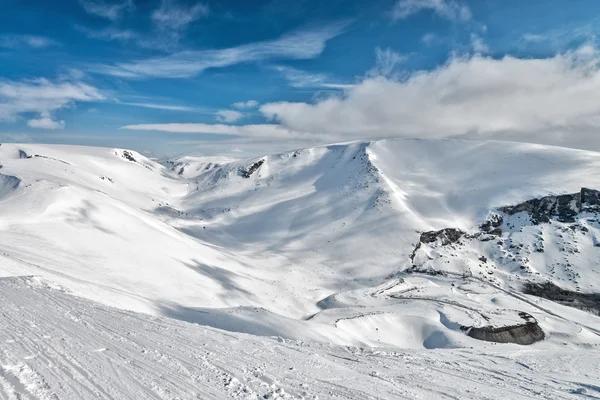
(315, 244)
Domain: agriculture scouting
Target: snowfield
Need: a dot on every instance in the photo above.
(328, 256)
(65, 347)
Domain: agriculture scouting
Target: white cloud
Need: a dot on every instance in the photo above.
(228, 115)
(302, 79)
(45, 121)
(478, 44)
(449, 9)
(174, 16)
(429, 38)
(305, 44)
(19, 41)
(386, 62)
(106, 9)
(245, 104)
(155, 106)
(473, 95)
(42, 97)
(254, 131)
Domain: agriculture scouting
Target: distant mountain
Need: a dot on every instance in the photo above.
(406, 243)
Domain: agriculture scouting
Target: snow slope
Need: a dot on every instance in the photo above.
(64, 347)
(309, 245)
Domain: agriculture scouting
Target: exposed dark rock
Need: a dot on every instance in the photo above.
(492, 225)
(128, 156)
(446, 235)
(9, 181)
(524, 334)
(589, 302)
(564, 207)
(252, 169)
(50, 158)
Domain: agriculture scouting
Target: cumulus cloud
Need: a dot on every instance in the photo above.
(449, 9)
(245, 104)
(42, 97)
(303, 44)
(473, 95)
(228, 115)
(106, 9)
(551, 100)
(45, 121)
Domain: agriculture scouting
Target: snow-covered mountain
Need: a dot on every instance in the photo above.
(398, 243)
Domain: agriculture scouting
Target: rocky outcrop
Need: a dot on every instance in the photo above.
(589, 302)
(492, 225)
(252, 169)
(128, 156)
(446, 236)
(524, 334)
(564, 207)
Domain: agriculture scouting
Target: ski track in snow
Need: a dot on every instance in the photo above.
(58, 346)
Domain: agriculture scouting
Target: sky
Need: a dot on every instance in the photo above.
(246, 78)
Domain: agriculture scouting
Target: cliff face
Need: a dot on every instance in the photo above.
(563, 207)
(525, 334)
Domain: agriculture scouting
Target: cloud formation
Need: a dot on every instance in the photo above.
(109, 10)
(473, 95)
(254, 131)
(386, 62)
(19, 41)
(172, 16)
(228, 115)
(303, 44)
(448, 9)
(245, 104)
(302, 79)
(45, 121)
(43, 97)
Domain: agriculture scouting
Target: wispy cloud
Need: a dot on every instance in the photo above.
(386, 62)
(106, 9)
(304, 44)
(258, 130)
(19, 41)
(449, 9)
(43, 97)
(245, 104)
(172, 16)
(302, 79)
(429, 38)
(228, 115)
(478, 44)
(155, 106)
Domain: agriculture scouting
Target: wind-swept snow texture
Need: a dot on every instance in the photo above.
(64, 347)
(318, 245)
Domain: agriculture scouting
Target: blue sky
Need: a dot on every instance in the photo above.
(250, 77)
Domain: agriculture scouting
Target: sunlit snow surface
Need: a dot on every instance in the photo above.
(309, 246)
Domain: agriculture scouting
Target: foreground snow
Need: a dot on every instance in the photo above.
(63, 347)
